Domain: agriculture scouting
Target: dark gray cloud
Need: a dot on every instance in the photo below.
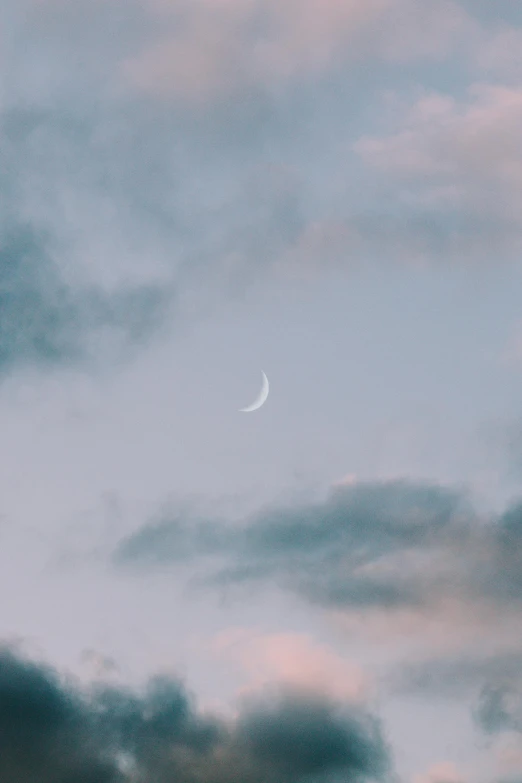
(46, 732)
(50, 732)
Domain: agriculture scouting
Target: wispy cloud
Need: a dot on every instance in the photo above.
(215, 50)
(339, 552)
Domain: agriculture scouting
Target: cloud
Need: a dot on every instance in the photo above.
(216, 49)
(100, 665)
(294, 660)
(58, 303)
(52, 731)
(375, 545)
(500, 54)
(45, 321)
(473, 142)
(168, 152)
(458, 164)
(443, 772)
(500, 706)
(409, 566)
(490, 682)
(303, 739)
(104, 228)
(359, 547)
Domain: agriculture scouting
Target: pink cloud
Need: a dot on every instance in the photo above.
(212, 48)
(450, 628)
(469, 152)
(291, 659)
(443, 772)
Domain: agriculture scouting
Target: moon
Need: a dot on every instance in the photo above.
(261, 397)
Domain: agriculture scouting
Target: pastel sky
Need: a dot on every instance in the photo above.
(328, 589)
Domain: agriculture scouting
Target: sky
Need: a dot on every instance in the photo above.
(327, 589)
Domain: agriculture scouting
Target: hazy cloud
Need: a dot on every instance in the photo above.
(156, 148)
(215, 50)
(500, 707)
(43, 320)
(470, 674)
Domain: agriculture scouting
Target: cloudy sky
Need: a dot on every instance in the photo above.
(328, 589)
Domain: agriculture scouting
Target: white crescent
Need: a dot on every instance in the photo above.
(261, 397)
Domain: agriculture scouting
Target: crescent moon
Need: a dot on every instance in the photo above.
(261, 397)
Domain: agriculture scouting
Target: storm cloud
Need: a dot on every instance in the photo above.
(50, 731)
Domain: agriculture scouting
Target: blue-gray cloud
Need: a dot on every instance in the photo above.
(44, 321)
(393, 545)
(326, 550)
(500, 708)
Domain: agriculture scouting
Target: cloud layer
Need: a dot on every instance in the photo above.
(194, 147)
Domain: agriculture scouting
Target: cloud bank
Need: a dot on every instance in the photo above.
(50, 731)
